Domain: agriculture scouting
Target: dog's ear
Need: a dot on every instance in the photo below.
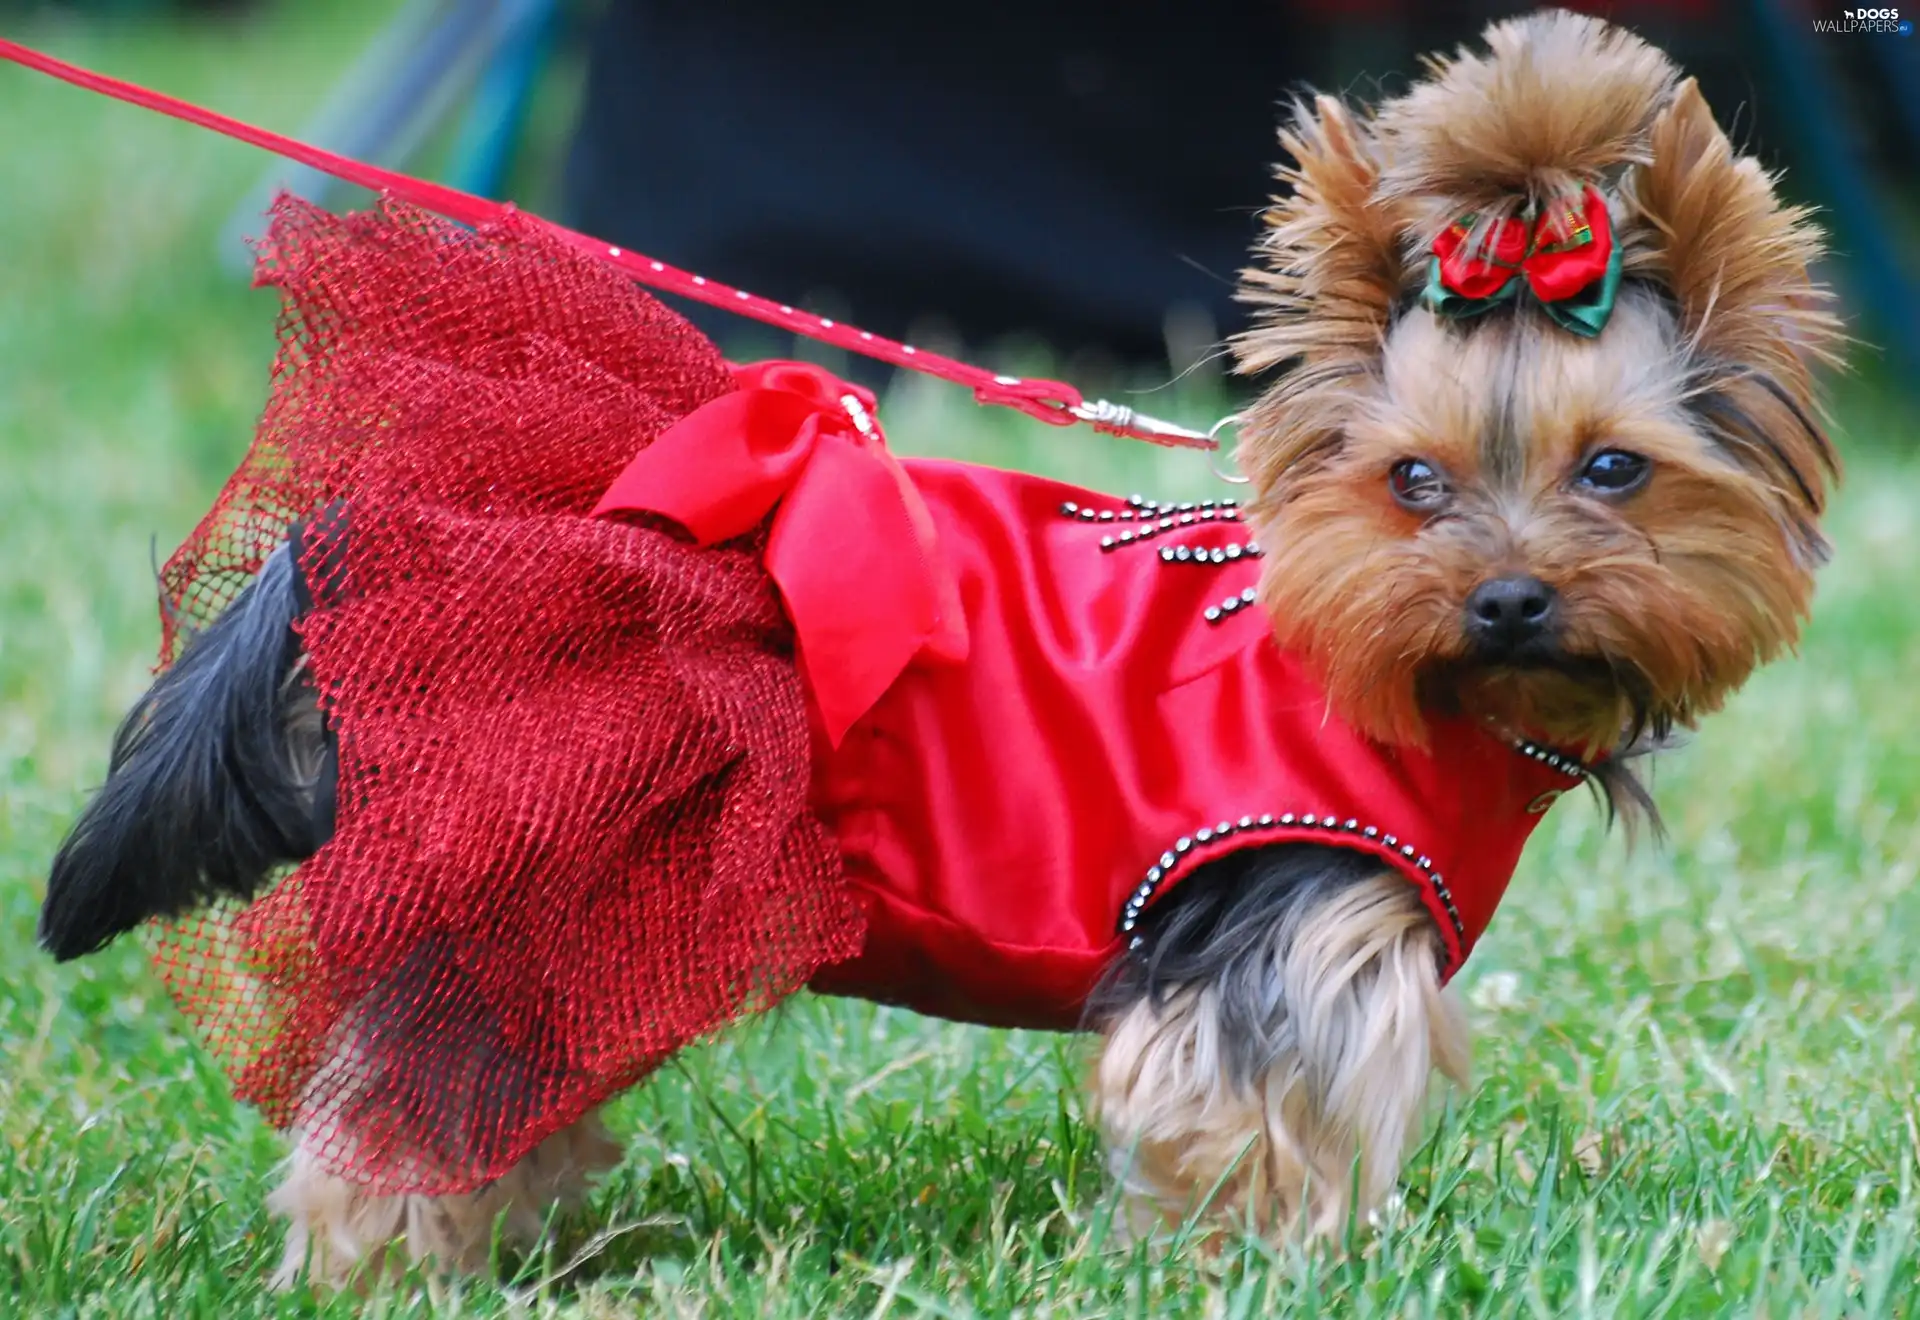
(1330, 263)
(1739, 264)
(1329, 276)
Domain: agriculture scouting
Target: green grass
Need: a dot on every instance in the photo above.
(1696, 1064)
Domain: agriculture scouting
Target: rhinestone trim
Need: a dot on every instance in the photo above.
(1142, 895)
(1201, 554)
(1230, 606)
(1147, 518)
(1570, 766)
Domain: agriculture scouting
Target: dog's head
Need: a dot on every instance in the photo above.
(1580, 539)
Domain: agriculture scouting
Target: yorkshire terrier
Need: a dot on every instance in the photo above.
(1577, 516)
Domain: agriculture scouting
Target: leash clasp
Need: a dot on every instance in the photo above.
(1118, 419)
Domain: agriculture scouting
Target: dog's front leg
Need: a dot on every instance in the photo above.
(1269, 1045)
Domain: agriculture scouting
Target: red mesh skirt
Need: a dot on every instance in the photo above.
(572, 829)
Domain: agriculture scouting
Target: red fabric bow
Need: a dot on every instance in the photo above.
(852, 545)
(1561, 253)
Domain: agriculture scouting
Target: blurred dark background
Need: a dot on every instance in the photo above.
(1080, 170)
(1082, 174)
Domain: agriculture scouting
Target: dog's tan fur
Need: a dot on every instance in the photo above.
(1673, 597)
(342, 1235)
(1556, 101)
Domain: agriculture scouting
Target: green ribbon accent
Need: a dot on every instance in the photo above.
(1457, 306)
(1585, 313)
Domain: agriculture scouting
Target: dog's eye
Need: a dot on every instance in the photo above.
(1614, 472)
(1418, 485)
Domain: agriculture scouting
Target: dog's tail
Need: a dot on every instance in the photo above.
(221, 773)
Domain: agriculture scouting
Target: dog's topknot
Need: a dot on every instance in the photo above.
(1555, 101)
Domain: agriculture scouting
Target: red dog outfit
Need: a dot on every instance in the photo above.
(661, 689)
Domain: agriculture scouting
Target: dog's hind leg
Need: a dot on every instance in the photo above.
(1271, 1044)
(399, 1092)
(340, 1234)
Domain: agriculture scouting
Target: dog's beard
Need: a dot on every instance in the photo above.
(1591, 706)
(1587, 704)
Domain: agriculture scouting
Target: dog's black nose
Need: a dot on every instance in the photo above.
(1509, 616)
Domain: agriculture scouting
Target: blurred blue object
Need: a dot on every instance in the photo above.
(504, 99)
(434, 57)
(1900, 66)
(1830, 149)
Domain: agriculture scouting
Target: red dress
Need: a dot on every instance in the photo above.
(662, 689)
(1087, 706)
(1122, 716)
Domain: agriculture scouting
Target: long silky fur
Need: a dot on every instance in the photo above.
(1271, 1044)
(218, 775)
(1219, 929)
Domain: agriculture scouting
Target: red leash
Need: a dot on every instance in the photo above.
(1051, 401)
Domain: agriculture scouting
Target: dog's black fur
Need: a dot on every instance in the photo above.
(1218, 929)
(222, 773)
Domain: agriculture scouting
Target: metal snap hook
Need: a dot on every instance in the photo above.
(1213, 436)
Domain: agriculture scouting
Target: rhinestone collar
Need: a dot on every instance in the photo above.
(1566, 763)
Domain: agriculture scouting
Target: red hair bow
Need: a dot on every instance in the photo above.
(1565, 256)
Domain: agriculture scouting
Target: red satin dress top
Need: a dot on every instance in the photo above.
(1038, 709)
